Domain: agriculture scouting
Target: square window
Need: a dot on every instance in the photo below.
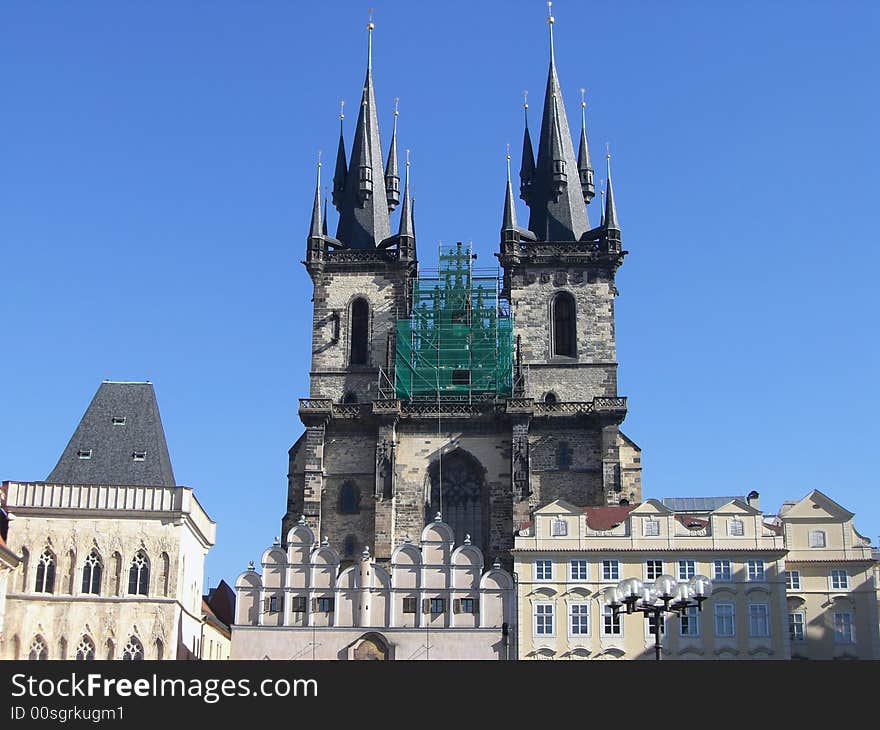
(273, 604)
(689, 624)
(839, 580)
(465, 605)
(461, 377)
(735, 528)
(611, 623)
(817, 539)
(724, 620)
(558, 528)
(796, 622)
(653, 569)
(409, 604)
(722, 570)
(793, 580)
(544, 619)
(579, 614)
(610, 570)
(651, 528)
(844, 628)
(755, 569)
(686, 569)
(543, 570)
(652, 622)
(325, 604)
(578, 570)
(437, 605)
(299, 604)
(759, 619)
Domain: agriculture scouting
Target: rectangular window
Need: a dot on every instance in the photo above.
(437, 605)
(653, 569)
(465, 605)
(689, 624)
(461, 377)
(844, 628)
(564, 455)
(578, 570)
(735, 528)
(759, 619)
(558, 528)
(84, 454)
(755, 569)
(325, 604)
(139, 455)
(724, 620)
(792, 580)
(118, 420)
(579, 614)
(610, 570)
(817, 539)
(276, 603)
(796, 621)
(543, 570)
(299, 604)
(651, 528)
(722, 570)
(544, 619)
(839, 580)
(409, 604)
(611, 624)
(652, 624)
(686, 569)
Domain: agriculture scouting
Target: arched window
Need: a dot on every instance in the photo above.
(563, 332)
(458, 492)
(349, 498)
(139, 574)
(550, 398)
(38, 650)
(348, 546)
(92, 570)
(117, 574)
(359, 334)
(350, 397)
(25, 564)
(111, 648)
(160, 649)
(70, 576)
(85, 650)
(133, 651)
(62, 648)
(165, 575)
(46, 573)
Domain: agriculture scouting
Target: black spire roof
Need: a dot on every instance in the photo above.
(119, 441)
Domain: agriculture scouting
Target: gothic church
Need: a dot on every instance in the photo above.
(477, 393)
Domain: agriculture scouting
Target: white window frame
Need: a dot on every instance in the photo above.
(716, 573)
(834, 582)
(541, 565)
(648, 576)
(685, 566)
(792, 580)
(739, 531)
(582, 563)
(610, 566)
(580, 613)
(732, 616)
(551, 613)
(664, 627)
(693, 621)
(655, 527)
(754, 563)
(802, 623)
(754, 615)
(558, 527)
(607, 612)
(815, 541)
(850, 624)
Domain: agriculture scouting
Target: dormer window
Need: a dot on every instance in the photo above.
(735, 528)
(118, 420)
(558, 528)
(84, 454)
(139, 455)
(652, 527)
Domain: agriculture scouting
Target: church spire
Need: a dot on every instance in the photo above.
(527, 167)
(363, 214)
(509, 229)
(585, 166)
(392, 177)
(341, 171)
(315, 230)
(406, 231)
(611, 222)
(557, 210)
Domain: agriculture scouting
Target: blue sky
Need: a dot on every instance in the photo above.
(157, 172)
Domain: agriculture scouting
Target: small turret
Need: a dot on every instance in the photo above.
(392, 178)
(585, 166)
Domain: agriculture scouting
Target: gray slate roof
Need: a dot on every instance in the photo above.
(113, 445)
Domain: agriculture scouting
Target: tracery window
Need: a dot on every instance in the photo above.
(46, 573)
(139, 574)
(92, 570)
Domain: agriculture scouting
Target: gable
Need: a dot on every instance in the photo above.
(559, 506)
(817, 506)
(735, 507)
(651, 507)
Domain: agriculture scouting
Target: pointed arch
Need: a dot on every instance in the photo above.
(457, 489)
(45, 582)
(92, 572)
(160, 649)
(359, 332)
(25, 564)
(134, 650)
(62, 648)
(563, 325)
(117, 573)
(165, 574)
(85, 649)
(38, 650)
(70, 575)
(139, 574)
(110, 648)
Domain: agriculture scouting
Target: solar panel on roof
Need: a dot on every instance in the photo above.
(697, 504)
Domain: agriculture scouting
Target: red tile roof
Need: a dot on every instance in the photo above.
(606, 517)
(691, 522)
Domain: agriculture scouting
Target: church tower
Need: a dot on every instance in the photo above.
(459, 390)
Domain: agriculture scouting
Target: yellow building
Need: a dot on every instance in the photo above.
(567, 557)
(831, 582)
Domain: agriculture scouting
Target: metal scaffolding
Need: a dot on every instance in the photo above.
(458, 342)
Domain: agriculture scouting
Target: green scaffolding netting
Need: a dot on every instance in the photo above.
(458, 342)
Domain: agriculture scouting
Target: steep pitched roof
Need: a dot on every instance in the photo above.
(112, 443)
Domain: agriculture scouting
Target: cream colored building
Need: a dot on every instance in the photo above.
(568, 555)
(112, 550)
(434, 601)
(8, 559)
(831, 578)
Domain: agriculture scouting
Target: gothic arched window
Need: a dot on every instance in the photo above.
(85, 650)
(563, 331)
(38, 650)
(349, 498)
(139, 574)
(359, 320)
(134, 650)
(458, 493)
(91, 580)
(46, 573)
(550, 398)
(350, 397)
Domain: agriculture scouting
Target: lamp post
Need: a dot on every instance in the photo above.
(664, 595)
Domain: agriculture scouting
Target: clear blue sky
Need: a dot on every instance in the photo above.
(156, 179)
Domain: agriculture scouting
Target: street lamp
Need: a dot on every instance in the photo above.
(664, 595)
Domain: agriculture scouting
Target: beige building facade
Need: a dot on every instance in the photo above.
(568, 555)
(433, 601)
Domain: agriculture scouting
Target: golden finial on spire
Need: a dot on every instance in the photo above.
(607, 151)
(320, 152)
(407, 158)
(550, 21)
(370, 26)
(525, 98)
(396, 103)
(508, 151)
(583, 97)
(341, 109)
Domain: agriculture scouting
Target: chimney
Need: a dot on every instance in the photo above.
(752, 499)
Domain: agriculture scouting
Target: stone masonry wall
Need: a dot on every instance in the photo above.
(581, 482)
